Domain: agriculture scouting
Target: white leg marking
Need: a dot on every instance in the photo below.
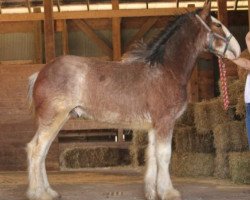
(165, 188)
(151, 173)
(37, 149)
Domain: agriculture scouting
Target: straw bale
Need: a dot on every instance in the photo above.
(239, 165)
(138, 155)
(140, 138)
(186, 139)
(241, 107)
(94, 157)
(192, 164)
(187, 118)
(208, 114)
(235, 89)
(221, 166)
(230, 136)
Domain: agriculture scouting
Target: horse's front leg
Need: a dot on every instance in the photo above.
(165, 189)
(151, 172)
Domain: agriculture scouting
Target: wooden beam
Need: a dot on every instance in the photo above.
(222, 12)
(144, 29)
(65, 41)
(193, 87)
(49, 34)
(177, 3)
(38, 41)
(236, 4)
(97, 14)
(83, 26)
(28, 5)
(116, 33)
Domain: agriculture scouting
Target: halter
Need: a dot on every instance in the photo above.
(212, 37)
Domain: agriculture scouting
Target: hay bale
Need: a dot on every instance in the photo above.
(94, 157)
(187, 118)
(192, 164)
(186, 139)
(140, 138)
(239, 165)
(221, 166)
(137, 149)
(241, 107)
(208, 114)
(230, 136)
(235, 89)
(138, 155)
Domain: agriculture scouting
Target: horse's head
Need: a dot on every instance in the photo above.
(219, 40)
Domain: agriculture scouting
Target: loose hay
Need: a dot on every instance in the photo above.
(221, 168)
(140, 138)
(230, 136)
(94, 157)
(208, 114)
(187, 118)
(192, 164)
(186, 139)
(239, 165)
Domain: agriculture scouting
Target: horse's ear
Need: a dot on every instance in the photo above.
(206, 9)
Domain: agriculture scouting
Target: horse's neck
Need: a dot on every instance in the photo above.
(182, 53)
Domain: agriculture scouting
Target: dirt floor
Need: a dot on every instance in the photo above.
(119, 184)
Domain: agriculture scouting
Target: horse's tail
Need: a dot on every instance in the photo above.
(32, 80)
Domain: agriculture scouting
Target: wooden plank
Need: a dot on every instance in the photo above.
(120, 135)
(38, 41)
(222, 12)
(28, 5)
(65, 38)
(16, 27)
(193, 88)
(49, 35)
(144, 29)
(97, 14)
(92, 35)
(116, 33)
(236, 4)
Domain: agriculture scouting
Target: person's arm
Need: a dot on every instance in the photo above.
(242, 62)
(248, 41)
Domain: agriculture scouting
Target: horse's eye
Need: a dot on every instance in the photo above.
(218, 25)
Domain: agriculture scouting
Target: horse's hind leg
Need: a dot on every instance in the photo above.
(37, 149)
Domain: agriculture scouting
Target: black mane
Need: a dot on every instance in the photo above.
(153, 53)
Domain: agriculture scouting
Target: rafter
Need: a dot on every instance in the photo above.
(144, 28)
(84, 27)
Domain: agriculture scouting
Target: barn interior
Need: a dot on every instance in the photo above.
(93, 160)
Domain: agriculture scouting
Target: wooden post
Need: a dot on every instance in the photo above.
(116, 32)
(120, 135)
(38, 38)
(193, 87)
(49, 34)
(222, 12)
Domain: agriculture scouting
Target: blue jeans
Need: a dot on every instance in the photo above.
(248, 122)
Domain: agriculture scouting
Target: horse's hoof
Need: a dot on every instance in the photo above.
(172, 194)
(150, 193)
(39, 195)
(54, 194)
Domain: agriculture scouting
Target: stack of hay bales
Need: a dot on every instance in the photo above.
(93, 157)
(138, 147)
(193, 153)
(228, 137)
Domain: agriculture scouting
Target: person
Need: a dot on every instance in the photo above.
(245, 63)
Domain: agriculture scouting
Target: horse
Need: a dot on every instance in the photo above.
(147, 89)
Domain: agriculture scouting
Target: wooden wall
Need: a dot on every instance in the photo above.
(17, 126)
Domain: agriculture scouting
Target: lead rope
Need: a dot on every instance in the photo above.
(223, 86)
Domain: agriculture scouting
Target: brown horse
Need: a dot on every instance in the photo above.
(147, 89)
